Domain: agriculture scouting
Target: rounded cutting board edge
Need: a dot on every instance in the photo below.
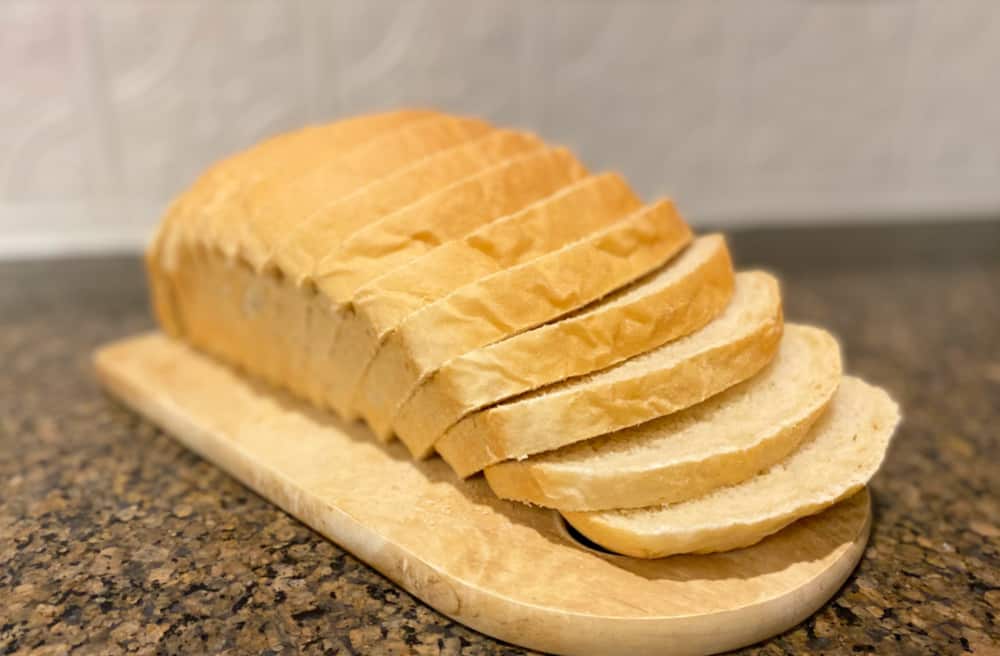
(505, 569)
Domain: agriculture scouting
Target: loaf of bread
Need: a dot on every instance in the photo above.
(479, 293)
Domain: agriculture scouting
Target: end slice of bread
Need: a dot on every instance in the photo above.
(840, 455)
(540, 229)
(722, 441)
(738, 344)
(515, 300)
(675, 300)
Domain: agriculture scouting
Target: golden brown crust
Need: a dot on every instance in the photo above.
(449, 214)
(318, 235)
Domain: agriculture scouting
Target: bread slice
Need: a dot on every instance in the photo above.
(840, 455)
(252, 228)
(541, 228)
(323, 232)
(517, 299)
(738, 344)
(722, 441)
(669, 303)
(295, 151)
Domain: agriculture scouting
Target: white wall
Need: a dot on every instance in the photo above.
(773, 111)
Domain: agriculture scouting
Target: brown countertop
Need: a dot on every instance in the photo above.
(115, 539)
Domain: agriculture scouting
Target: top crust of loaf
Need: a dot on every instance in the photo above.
(448, 214)
(190, 218)
(267, 211)
(325, 230)
(841, 454)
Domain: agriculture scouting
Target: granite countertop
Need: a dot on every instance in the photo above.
(115, 539)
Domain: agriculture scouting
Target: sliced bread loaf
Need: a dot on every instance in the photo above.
(671, 302)
(324, 231)
(253, 227)
(541, 228)
(730, 349)
(516, 299)
(722, 441)
(840, 455)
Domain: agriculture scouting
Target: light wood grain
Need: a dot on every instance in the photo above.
(503, 568)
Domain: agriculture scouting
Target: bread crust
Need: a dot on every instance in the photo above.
(325, 230)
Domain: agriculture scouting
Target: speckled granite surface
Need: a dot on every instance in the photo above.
(114, 539)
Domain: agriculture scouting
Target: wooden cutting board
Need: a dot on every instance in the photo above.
(505, 569)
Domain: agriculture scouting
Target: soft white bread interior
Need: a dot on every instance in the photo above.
(516, 299)
(539, 229)
(842, 452)
(722, 441)
(730, 349)
(668, 303)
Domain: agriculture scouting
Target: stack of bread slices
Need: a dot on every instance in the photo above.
(482, 295)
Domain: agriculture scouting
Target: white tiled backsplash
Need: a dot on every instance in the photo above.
(775, 110)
